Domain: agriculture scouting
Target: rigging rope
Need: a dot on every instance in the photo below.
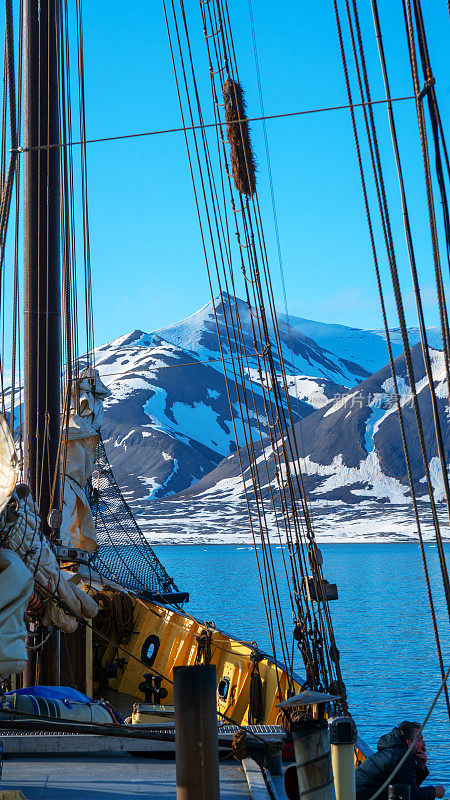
(440, 290)
(205, 125)
(384, 214)
(423, 333)
(430, 91)
(284, 497)
(318, 643)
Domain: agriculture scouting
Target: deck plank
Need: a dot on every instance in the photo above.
(255, 780)
(105, 777)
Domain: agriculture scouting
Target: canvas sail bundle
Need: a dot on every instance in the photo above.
(77, 528)
(22, 534)
(9, 463)
(16, 586)
(16, 581)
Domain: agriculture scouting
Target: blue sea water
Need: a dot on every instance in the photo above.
(382, 625)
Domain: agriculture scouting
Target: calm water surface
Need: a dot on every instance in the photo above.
(382, 625)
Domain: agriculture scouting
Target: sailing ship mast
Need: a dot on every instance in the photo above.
(42, 273)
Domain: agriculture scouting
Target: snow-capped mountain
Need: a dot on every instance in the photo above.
(353, 468)
(335, 353)
(169, 432)
(434, 336)
(366, 348)
(169, 415)
(170, 435)
(168, 421)
(352, 449)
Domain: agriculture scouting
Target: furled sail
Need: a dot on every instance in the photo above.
(9, 463)
(21, 532)
(86, 414)
(16, 582)
(16, 586)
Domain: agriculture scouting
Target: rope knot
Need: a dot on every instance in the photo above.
(255, 656)
(429, 83)
(239, 745)
(203, 647)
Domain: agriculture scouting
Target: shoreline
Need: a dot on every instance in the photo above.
(173, 523)
(244, 543)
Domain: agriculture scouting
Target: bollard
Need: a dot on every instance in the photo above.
(196, 744)
(342, 740)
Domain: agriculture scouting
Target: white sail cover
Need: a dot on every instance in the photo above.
(16, 587)
(77, 528)
(16, 582)
(21, 533)
(9, 463)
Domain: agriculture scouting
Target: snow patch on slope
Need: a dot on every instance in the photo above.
(434, 336)
(211, 432)
(341, 403)
(369, 471)
(375, 416)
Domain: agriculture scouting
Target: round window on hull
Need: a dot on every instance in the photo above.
(223, 688)
(150, 649)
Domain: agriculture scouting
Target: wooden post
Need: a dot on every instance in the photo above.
(73, 659)
(196, 744)
(89, 662)
(42, 276)
(313, 759)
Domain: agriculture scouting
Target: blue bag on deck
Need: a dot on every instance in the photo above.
(54, 693)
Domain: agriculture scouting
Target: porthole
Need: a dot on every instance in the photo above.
(150, 649)
(223, 688)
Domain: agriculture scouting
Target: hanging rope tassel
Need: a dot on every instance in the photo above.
(203, 647)
(256, 704)
(242, 157)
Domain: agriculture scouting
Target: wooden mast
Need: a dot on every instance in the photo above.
(42, 273)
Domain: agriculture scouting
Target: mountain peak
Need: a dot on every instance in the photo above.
(169, 416)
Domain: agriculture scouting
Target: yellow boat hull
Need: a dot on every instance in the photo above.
(168, 638)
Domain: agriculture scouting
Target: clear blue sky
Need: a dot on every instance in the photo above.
(148, 267)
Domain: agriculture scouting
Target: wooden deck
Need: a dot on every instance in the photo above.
(65, 777)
